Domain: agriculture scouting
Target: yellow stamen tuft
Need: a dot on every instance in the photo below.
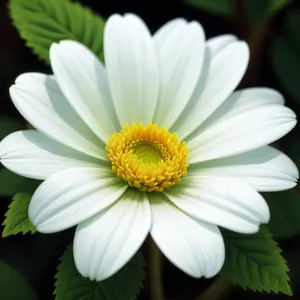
(148, 158)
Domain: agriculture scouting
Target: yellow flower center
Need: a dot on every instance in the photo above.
(148, 158)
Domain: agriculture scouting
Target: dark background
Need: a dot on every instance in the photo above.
(37, 256)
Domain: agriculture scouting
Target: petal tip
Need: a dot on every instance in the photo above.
(266, 217)
(69, 42)
(54, 46)
(113, 18)
(54, 50)
(245, 48)
(12, 89)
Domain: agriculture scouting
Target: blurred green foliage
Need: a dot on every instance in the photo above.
(13, 285)
(224, 8)
(9, 125)
(285, 54)
(13, 183)
(285, 212)
(257, 11)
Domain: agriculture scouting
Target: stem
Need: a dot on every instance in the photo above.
(217, 290)
(240, 20)
(256, 39)
(154, 265)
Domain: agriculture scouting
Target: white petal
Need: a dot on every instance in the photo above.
(72, 196)
(220, 75)
(181, 56)
(193, 246)
(132, 68)
(82, 78)
(106, 242)
(264, 169)
(243, 132)
(240, 102)
(163, 32)
(218, 43)
(41, 102)
(31, 154)
(222, 202)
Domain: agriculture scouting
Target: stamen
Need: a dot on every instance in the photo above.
(148, 158)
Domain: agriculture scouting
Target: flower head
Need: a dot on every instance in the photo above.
(156, 141)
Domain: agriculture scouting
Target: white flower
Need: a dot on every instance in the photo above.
(185, 85)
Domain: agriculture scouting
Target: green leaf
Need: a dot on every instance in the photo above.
(17, 220)
(42, 22)
(285, 212)
(13, 286)
(254, 261)
(125, 284)
(285, 55)
(224, 8)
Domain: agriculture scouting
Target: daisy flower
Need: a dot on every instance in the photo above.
(155, 142)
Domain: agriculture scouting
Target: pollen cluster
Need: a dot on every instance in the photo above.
(148, 158)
